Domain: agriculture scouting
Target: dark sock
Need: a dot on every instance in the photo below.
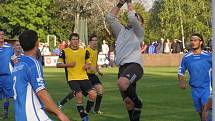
(6, 108)
(130, 114)
(89, 106)
(134, 114)
(67, 98)
(98, 102)
(81, 111)
(138, 103)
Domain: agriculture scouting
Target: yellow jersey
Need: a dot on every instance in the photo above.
(80, 57)
(93, 58)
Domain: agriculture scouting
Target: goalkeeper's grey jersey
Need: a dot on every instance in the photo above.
(128, 40)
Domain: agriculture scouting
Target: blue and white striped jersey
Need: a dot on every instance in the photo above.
(6, 52)
(28, 80)
(199, 68)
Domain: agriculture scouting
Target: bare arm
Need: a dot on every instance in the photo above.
(62, 65)
(134, 22)
(182, 82)
(50, 105)
(112, 19)
(98, 70)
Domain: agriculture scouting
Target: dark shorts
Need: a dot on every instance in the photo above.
(80, 86)
(6, 86)
(94, 79)
(131, 71)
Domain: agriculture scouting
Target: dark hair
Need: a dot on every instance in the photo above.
(28, 40)
(91, 37)
(73, 35)
(140, 17)
(2, 30)
(201, 38)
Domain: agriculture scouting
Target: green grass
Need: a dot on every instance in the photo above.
(163, 100)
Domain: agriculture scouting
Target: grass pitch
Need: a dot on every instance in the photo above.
(163, 100)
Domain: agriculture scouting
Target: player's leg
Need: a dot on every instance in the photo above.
(100, 91)
(128, 77)
(1, 91)
(95, 81)
(206, 104)
(68, 97)
(87, 87)
(76, 87)
(132, 103)
(196, 96)
(8, 93)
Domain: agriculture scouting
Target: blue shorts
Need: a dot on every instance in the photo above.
(200, 97)
(6, 86)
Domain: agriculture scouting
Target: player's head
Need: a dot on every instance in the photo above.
(93, 41)
(74, 40)
(17, 47)
(139, 18)
(197, 41)
(29, 40)
(1, 37)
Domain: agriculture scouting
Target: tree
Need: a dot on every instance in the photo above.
(168, 16)
(19, 15)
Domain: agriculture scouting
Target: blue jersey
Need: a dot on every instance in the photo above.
(28, 80)
(6, 52)
(199, 68)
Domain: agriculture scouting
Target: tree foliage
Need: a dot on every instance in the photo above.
(166, 15)
(57, 17)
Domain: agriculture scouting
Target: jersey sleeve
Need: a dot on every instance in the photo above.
(61, 57)
(136, 25)
(87, 56)
(37, 81)
(182, 69)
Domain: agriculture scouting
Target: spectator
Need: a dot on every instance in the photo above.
(160, 47)
(105, 48)
(39, 57)
(56, 51)
(152, 48)
(167, 46)
(209, 45)
(45, 50)
(176, 46)
(62, 45)
(143, 47)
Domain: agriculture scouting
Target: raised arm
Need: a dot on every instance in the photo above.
(112, 19)
(135, 21)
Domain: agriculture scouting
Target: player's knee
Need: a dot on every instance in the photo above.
(129, 103)
(123, 84)
(92, 94)
(79, 97)
(100, 89)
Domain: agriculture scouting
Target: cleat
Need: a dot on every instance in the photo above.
(99, 112)
(85, 118)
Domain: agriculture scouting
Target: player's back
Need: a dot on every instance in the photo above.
(6, 51)
(28, 80)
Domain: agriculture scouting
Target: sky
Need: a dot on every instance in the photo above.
(147, 3)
